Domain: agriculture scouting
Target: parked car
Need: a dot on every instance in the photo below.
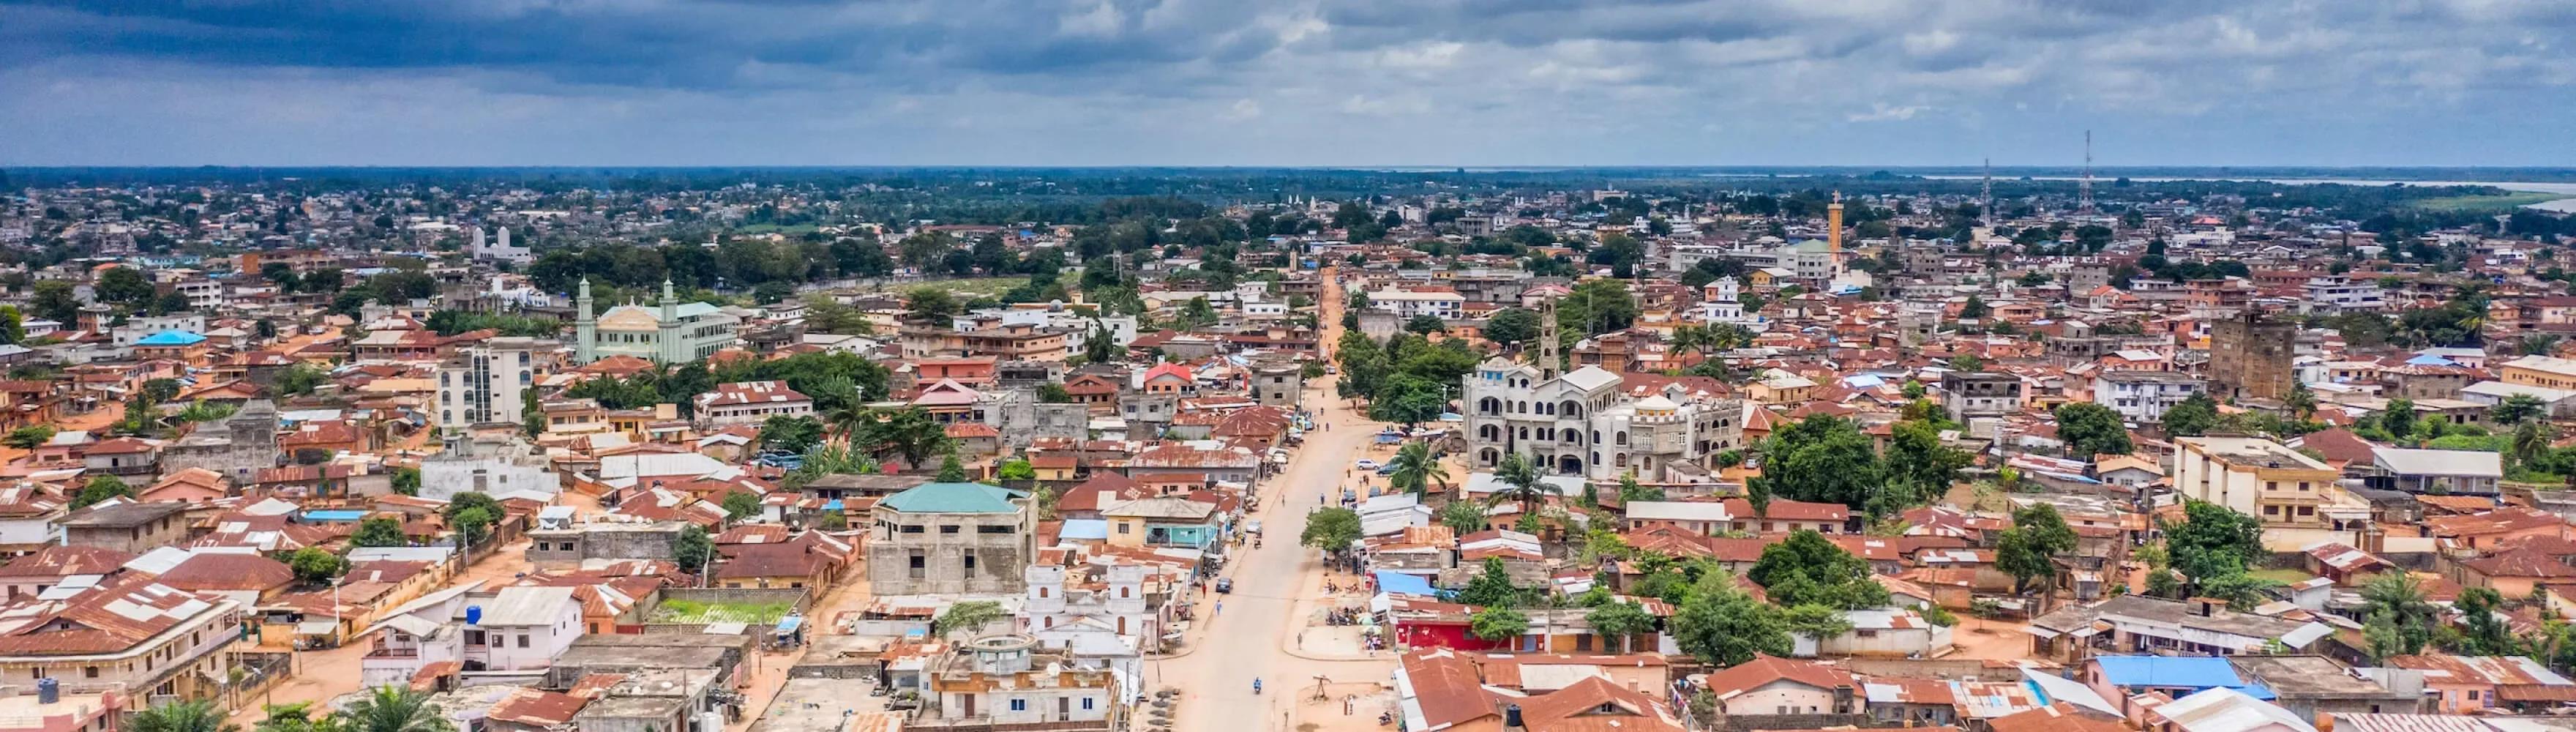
(1224, 585)
(1365, 464)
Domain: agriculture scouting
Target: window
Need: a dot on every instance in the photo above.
(1124, 526)
(523, 640)
(1086, 704)
(948, 529)
(970, 562)
(1019, 705)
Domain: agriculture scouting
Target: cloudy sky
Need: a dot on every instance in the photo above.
(1280, 82)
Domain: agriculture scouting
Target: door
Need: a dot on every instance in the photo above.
(1064, 709)
(969, 705)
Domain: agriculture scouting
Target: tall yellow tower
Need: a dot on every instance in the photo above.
(1834, 231)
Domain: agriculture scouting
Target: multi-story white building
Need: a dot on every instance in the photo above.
(510, 629)
(1409, 303)
(2141, 397)
(489, 382)
(2266, 480)
(1583, 423)
(2332, 294)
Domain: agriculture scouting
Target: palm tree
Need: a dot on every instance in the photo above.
(394, 709)
(846, 421)
(1688, 338)
(192, 716)
(1416, 469)
(2530, 440)
(1521, 483)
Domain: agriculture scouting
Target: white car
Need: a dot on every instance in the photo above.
(1365, 464)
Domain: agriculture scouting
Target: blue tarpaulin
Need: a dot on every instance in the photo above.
(1404, 584)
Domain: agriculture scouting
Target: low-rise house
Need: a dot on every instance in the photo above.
(33, 573)
(2313, 687)
(512, 629)
(2132, 624)
(2440, 472)
(992, 682)
(1165, 521)
(1779, 687)
(28, 516)
(126, 526)
(2223, 710)
(1883, 632)
(2474, 684)
(750, 402)
(126, 634)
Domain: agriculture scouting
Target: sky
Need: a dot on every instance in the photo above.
(1302, 82)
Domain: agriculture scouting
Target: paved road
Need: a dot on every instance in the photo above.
(1244, 640)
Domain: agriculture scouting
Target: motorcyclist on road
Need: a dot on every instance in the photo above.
(1256, 684)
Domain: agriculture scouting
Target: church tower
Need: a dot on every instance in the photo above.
(673, 351)
(585, 327)
(1549, 363)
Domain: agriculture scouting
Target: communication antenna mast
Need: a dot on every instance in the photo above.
(1986, 210)
(2084, 190)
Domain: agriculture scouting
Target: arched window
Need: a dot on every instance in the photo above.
(1619, 460)
(1488, 433)
(1621, 437)
(1485, 456)
(1570, 409)
(1489, 405)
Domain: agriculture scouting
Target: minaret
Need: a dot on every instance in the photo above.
(669, 343)
(585, 327)
(1834, 236)
(1548, 361)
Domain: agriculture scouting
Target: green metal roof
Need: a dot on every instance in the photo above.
(954, 498)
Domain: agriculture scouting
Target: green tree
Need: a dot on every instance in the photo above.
(1521, 484)
(1426, 324)
(1967, 362)
(1619, 621)
(1917, 457)
(472, 526)
(407, 480)
(379, 531)
(693, 550)
(1722, 625)
(2213, 541)
(1808, 569)
(316, 565)
(1815, 621)
(910, 434)
(1331, 529)
(296, 717)
(1974, 309)
(55, 300)
(1497, 624)
(298, 380)
(1492, 587)
(790, 433)
(2483, 629)
(1053, 393)
(125, 286)
(2398, 418)
(969, 616)
(2090, 429)
(2517, 408)
(2394, 602)
(950, 470)
(1416, 469)
(185, 716)
(1463, 517)
(1016, 469)
(393, 709)
(1512, 327)
(102, 488)
(931, 305)
(2192, 417)
(741, 505)
(1823, 458)
(28, 437)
